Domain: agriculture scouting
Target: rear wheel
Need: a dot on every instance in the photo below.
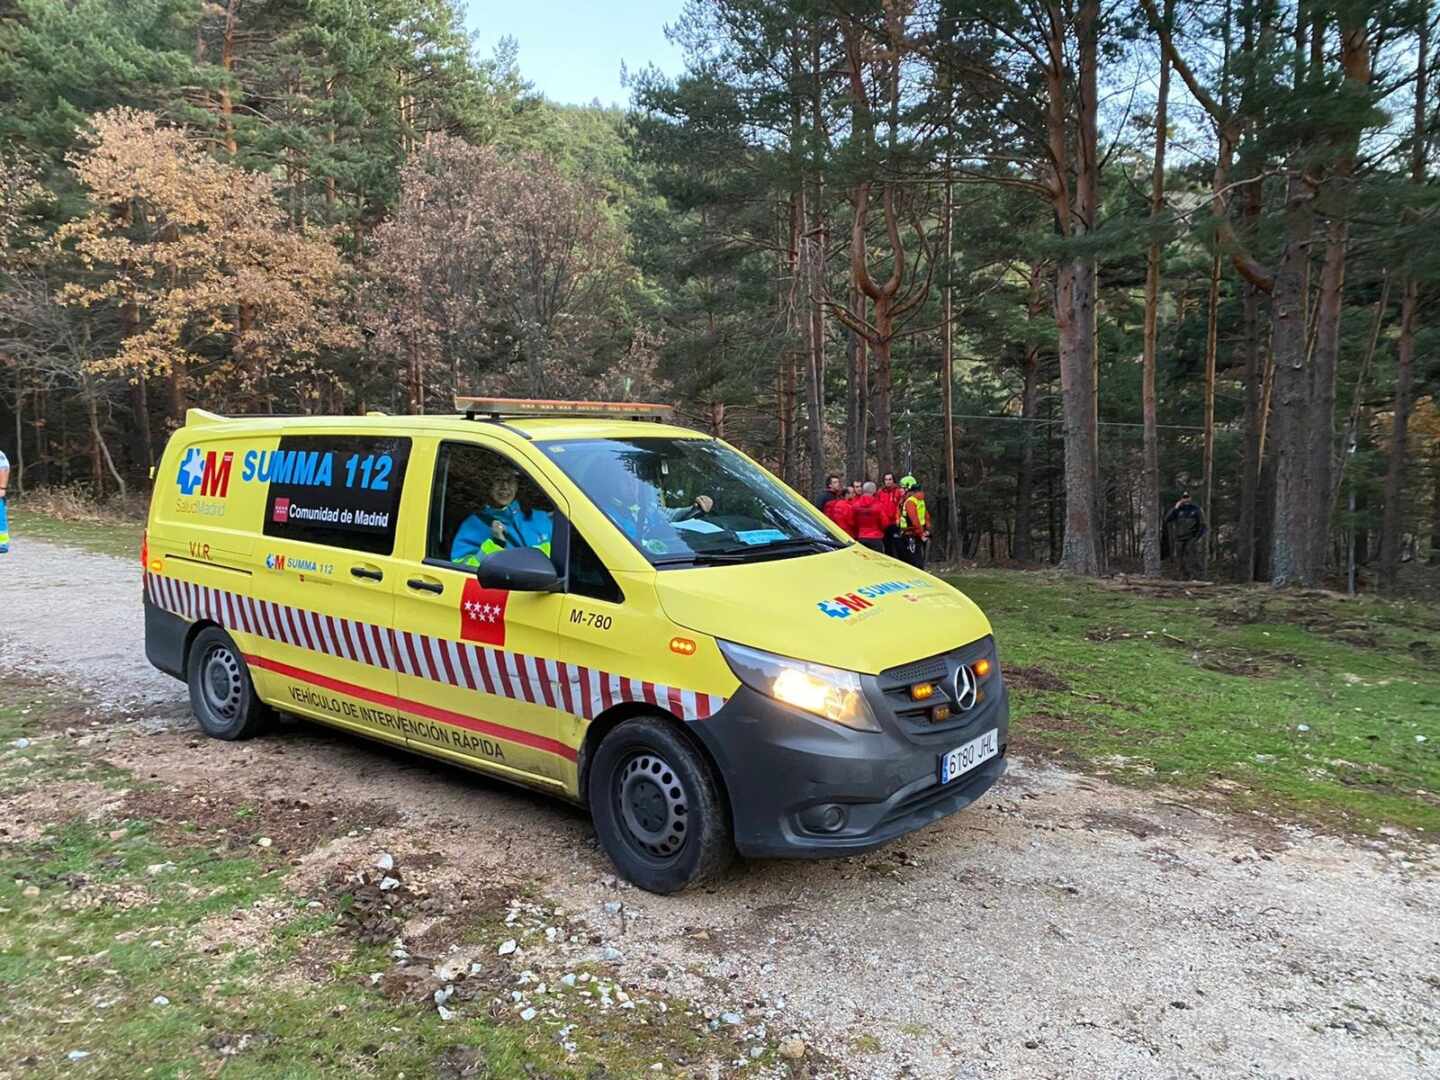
(222, 695)
(657, 807)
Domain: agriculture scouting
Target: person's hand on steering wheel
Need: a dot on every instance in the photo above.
(704, 503)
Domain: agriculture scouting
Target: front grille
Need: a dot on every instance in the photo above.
(931, 670)
(895, 683)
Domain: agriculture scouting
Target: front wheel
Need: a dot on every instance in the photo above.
(221, 694)
(657, 807)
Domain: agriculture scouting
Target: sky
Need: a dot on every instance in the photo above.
(571, 50)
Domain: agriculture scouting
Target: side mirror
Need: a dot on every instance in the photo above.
(520, 569)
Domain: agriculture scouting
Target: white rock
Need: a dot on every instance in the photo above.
(264, 841)
(732, 1018)
(613, 907)
(385, 862)
(568, 980)
(445, 1014)
(508, 947)
(160, 999)
(529, 1014)
(388, 883)
(1302, 727)
(452, 969)
(21, 744)
(78, 1055)
(610, 953)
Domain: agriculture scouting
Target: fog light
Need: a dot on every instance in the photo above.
(827, 817)
(981, 668)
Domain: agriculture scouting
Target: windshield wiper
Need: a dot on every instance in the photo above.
(700, 558)
(796, 546)
(824, 543)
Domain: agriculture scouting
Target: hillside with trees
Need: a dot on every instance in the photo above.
(1062, 260)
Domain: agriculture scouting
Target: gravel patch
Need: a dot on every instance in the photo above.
(1062, 927)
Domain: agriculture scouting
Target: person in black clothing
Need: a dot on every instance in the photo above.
(1187, 528)
(832, 491)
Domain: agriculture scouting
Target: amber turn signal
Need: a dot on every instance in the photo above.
(981, 668)
(922, 691)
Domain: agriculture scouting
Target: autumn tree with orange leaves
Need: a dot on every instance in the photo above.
(202, 265)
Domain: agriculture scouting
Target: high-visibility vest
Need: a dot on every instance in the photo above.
(912, 512)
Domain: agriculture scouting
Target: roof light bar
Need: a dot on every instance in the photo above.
(518, 407)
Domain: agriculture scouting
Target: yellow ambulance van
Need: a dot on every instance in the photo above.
(581, 598)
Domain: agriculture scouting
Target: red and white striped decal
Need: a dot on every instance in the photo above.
(572, 688)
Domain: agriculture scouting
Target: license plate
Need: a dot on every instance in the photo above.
(964, 758)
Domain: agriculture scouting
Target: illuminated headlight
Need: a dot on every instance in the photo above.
(825, 691)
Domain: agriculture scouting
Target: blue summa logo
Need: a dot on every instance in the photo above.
(192, 471)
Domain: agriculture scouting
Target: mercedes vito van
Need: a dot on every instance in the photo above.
(581, 598)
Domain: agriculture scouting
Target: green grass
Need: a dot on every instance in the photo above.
(1313, 706)
(119, 537)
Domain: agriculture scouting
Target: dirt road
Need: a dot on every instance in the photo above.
(1064, 927)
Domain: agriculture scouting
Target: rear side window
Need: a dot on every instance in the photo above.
(338, 490)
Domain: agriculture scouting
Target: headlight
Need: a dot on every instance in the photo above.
(825, 691)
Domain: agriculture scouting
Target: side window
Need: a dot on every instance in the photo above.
(588, 576)
(483, 503)
(338, 490)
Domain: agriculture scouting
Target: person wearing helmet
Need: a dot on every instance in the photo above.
(914, 522)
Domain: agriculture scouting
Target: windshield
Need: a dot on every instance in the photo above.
(690, 501)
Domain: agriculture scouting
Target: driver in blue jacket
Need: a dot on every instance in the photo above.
(502, 523)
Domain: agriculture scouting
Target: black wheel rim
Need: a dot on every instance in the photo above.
(222, 683)
(652, 806)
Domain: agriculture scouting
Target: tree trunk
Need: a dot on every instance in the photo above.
(1081, 549)
(1212, 345)
(1435, 504)
(1150, 481)
(227, 62)
(1405, 372)
(1075, 281)
(1255, 367)
(857, 419)
(175, 387)
(882, 386)
(1292, 550)
(1025, 479)
(947, 379)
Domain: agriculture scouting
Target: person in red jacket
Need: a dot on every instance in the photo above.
(870, 518)
(841, 511)
(835, 505)
(891, 495)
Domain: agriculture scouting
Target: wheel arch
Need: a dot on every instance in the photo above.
(613, 717)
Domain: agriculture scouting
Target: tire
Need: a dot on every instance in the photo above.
(222, 695)
(658, 808)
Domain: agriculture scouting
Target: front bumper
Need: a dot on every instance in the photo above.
(782, 767)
